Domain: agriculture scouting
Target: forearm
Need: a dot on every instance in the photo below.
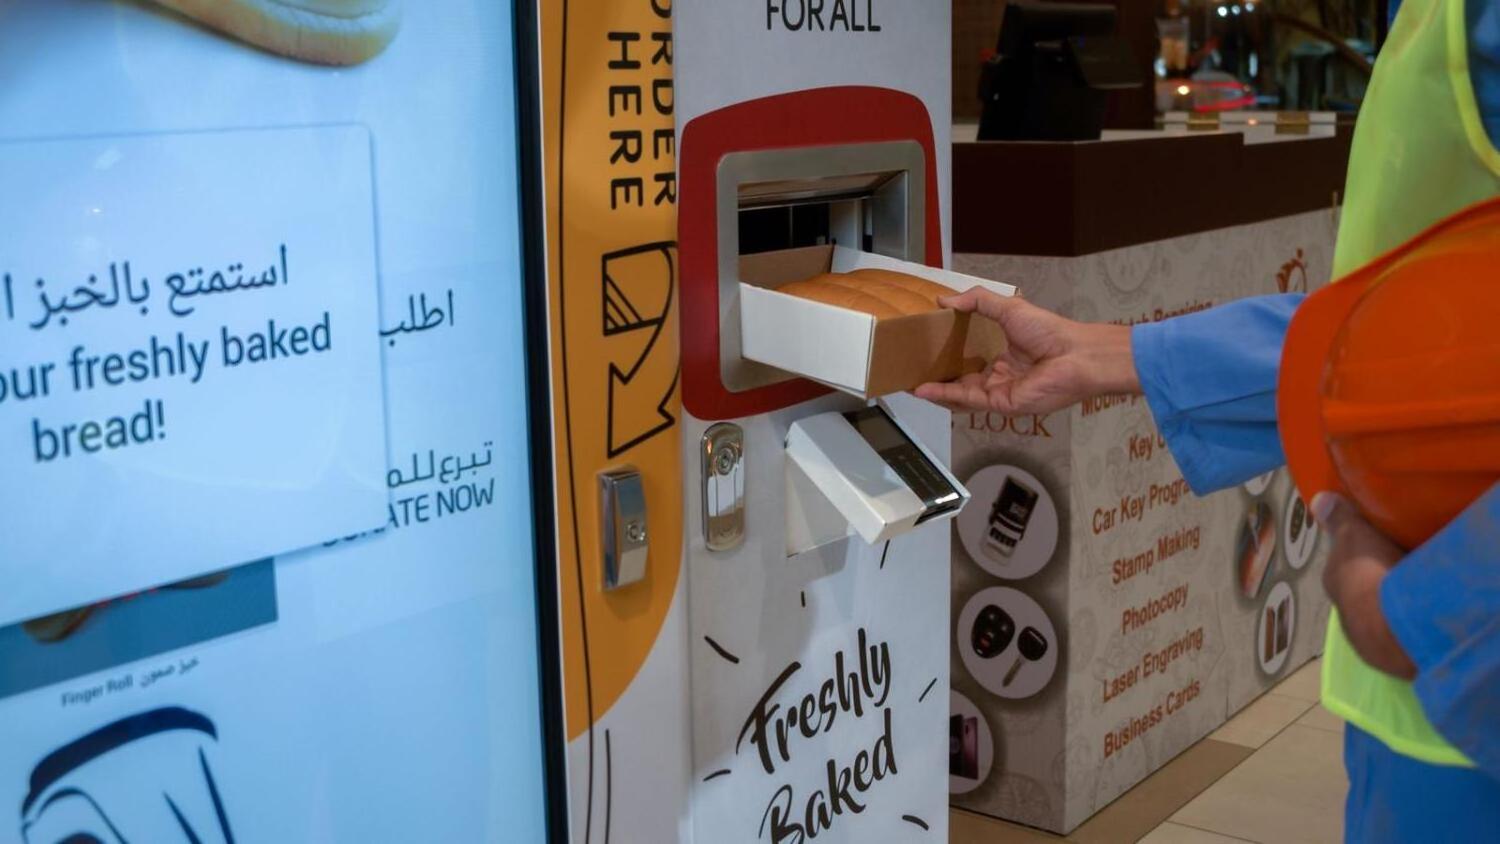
(1110, 360)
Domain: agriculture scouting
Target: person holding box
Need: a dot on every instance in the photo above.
(1413, 655)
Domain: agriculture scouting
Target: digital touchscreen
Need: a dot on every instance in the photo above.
(262, 416)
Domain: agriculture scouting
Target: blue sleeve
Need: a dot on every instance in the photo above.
(1210, 380)
(1443, 604)
(1483, 21)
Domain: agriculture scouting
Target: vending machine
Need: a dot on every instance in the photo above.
(753, 512)
(814, 138)
(275, 481)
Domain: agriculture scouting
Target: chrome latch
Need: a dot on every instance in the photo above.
(622, 504)
(723, 456)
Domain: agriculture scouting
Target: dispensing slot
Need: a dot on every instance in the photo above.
(869, 197)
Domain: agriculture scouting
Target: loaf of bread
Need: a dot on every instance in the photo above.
(903, 300)
(880, 293)
(929, 289)
(332, 32)
(819, 289)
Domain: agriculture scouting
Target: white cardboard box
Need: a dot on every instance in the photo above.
(849, 350)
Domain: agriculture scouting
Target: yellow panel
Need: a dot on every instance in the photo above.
(612, 262)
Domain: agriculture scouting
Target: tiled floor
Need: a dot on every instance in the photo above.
(1273, 774)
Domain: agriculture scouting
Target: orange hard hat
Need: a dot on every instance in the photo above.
(1390, 380)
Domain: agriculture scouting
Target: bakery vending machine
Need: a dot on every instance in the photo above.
(813, 150)
(275, 481)
(753, 514)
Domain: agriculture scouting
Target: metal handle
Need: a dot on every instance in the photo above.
(723, 469)
(622, 506)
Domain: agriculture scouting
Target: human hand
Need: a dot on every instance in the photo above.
(1357, 565)
(1050, 362)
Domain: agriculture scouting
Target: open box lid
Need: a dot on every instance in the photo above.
(849, 350)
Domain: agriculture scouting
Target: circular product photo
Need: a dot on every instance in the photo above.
(971, 745)
(1007, 642)
(1254, 550)
(1299, 533)
(1010, 527)
(1275, 628)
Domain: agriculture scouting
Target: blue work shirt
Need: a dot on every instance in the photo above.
(1210, 380)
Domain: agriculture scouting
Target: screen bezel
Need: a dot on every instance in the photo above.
(535, 318)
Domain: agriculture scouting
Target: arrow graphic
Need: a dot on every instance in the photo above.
(636, 287)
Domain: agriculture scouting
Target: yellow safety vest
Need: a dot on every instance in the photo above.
(1420, 153)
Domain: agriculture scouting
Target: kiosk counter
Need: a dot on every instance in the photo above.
(1104, 617)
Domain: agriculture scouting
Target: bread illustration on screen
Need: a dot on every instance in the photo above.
(58, 626)
(331, 32)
